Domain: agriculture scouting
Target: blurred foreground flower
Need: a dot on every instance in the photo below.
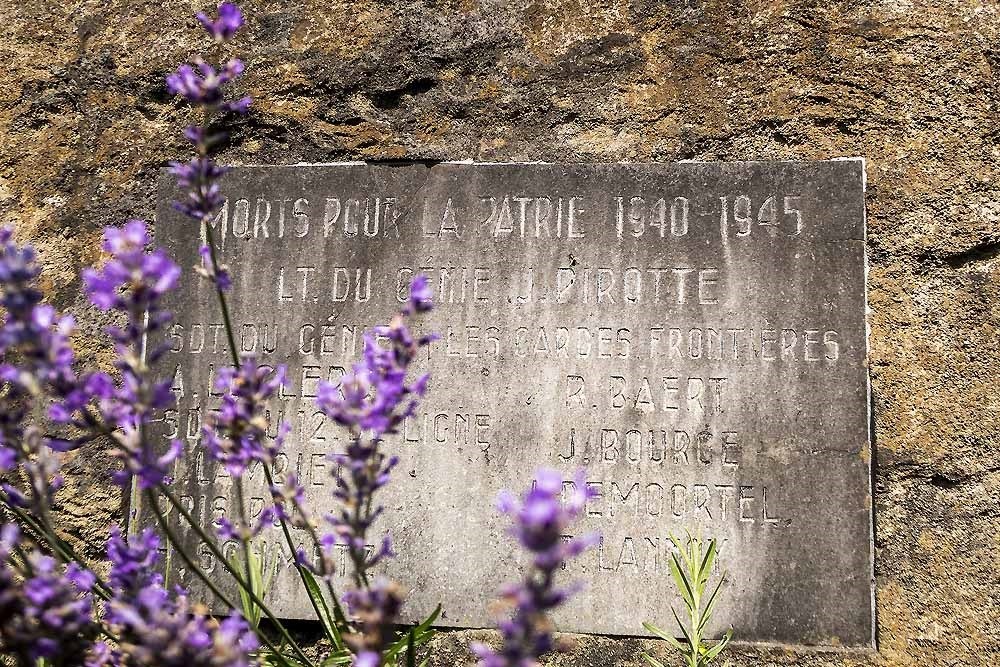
(540, 521)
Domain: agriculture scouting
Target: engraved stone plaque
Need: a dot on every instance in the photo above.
(693, 335)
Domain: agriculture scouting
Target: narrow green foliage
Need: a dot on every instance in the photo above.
(402, 652)
(691, 568)
(254, 612)
(269, 658)
(259, 586)
(330, 626)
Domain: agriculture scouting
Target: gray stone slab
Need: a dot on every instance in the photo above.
(692, 334)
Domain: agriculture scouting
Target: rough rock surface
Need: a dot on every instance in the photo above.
(909, 85)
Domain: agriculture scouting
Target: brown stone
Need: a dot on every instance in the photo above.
(85, 123)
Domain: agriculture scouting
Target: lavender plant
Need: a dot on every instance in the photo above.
(156, 626)
(54, 610)
(540, 521)
(49, 608)
(47, 615)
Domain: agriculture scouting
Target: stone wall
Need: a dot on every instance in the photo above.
(86, 122)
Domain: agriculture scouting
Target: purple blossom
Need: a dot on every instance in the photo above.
(375, 397)
(541, 518)
(218, 274)
(35, 353)
(372, 401)
(198, 178)
(40, 466)
(132, 565)
(375, 610)
(134, 282)
(36, 367)
(102, 655)
(229, 20)
(228, 530)
(289, 498)
(240, 106)
(18, 272)
(540, 521)
(202, 84)
(367, 659)
(160, 628)
(421, 296)
(236, 435)
(46, 611)
(141, 462)
(289, 506)
(170, 631)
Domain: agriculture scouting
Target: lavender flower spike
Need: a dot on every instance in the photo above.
(374, 610)
(36, 365)
(47, 614)
(225, 26)
(375, 397)
(133, 282)
(202, 84)
(236, 435)
(372, 401)
(157, 627)
(541, 519)
(32, 333)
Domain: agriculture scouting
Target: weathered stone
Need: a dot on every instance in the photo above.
(691, 334)
(85, 123)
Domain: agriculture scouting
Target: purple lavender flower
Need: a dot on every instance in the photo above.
(375, 397)
(46, 611)
(40, 466)
(34, 335)
(240, 106)
(172, 632)
(228, 530)
(541, 519)
(218, 274)
(30, 328)
(223, 28)
(374, 610)
(236, 435)
(199, 178)
(421, 296)
(289, 498)
(36, 365)
(133, 565)
(133, 282)
(102, 655)
(372, 401)
(202, 84)
(157, 628)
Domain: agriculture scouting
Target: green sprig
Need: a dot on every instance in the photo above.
(691, 567)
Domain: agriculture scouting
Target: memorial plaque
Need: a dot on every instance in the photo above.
(693, 335)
